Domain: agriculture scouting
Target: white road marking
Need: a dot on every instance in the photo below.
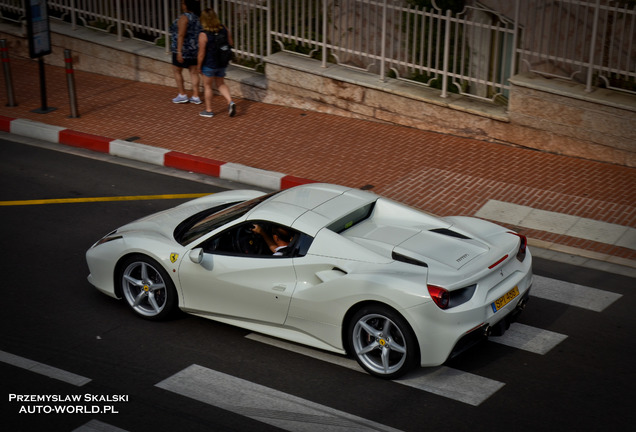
(452, 383)
(572, 294)
(529, 338)
(262, 403)
(97, 426)
(43, 369)
(559, 223)
(442, 381)
(307, 351)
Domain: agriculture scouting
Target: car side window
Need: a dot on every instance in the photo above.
(257, 239)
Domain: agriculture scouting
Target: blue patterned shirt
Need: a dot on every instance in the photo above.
(190, 47)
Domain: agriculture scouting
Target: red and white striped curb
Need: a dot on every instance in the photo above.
(152, 155)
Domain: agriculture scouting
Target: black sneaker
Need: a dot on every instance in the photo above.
(206, 114)
(232, 109)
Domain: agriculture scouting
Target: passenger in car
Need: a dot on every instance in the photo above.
(278, 241)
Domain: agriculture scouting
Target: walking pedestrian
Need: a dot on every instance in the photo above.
(211, 64)
(184, 34)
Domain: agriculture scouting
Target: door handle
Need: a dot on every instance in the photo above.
(279, 287)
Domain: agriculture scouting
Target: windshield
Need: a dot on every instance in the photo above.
(208, 220)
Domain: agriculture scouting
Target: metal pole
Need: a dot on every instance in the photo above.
(119, 27)
(268, 32)
(590, 69)
(324, 34)
(6, 65)
(70, 81)
(73, 15)
(44, 109)
(515, 41)
(166, 23)
(383, 45)
(446, 54)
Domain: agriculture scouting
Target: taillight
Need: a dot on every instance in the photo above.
(521, 253)
(440, 296)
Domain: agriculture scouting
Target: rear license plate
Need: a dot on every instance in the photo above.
(505, 299)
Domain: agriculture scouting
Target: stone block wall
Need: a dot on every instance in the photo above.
(548, 115)
(597, 125)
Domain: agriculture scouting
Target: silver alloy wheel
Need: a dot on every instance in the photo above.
(144, 288)
(379, 344)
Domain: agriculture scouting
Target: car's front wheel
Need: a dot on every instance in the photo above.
(147, 288)
(382, 342)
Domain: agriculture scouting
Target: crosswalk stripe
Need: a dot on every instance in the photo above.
(443, 381)
(529, 338)
(262, 403)
(306, 351)
(98, 426)
(572, 294)
(559, 223)
(43, 369)
(454, 384)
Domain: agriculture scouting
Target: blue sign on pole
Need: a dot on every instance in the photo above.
(38, 30)
(39, 34)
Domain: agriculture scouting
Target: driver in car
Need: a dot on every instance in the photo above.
(277, 242)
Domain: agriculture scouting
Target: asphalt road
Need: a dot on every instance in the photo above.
(64, 346)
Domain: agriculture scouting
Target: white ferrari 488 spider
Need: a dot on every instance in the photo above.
(335, 268)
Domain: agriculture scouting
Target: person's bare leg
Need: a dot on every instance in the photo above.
(225, 92)
(178, 77)
(223, 89)
(194, 77)
(207, 92)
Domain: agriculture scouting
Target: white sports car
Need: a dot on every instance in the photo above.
(335, 268)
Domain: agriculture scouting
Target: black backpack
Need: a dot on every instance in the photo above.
(220, 50)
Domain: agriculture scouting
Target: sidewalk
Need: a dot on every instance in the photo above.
(569, 205)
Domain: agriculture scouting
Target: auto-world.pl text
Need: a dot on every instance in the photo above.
(86, 403)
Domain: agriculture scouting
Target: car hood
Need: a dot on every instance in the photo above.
(162, 223)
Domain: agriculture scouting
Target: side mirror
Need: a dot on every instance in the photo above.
(196, 255)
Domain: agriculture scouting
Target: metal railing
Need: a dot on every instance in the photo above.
(473, 52)
(586, 41)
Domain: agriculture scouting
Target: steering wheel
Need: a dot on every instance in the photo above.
(248, 242)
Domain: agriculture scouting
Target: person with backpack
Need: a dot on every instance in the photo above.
(184, 44)
(215, 51)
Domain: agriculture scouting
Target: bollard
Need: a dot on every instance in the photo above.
(6, 65)
(70, 81)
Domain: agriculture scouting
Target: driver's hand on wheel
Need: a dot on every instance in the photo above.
(257, 229)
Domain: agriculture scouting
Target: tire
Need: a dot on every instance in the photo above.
(147, 288)
(382, 342)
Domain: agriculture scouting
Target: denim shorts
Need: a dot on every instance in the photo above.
(209, 72)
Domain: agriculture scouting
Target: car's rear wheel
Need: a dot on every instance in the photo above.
(382, 342)
(147, 288)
